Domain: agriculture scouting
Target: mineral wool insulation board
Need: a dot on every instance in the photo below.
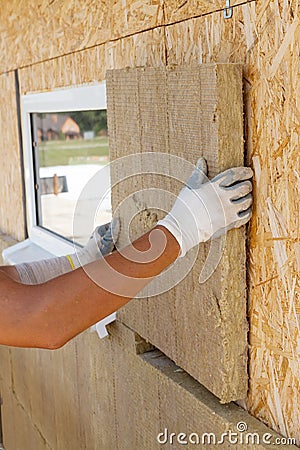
(161, 120)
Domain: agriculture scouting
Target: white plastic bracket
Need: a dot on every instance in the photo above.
(100, 327)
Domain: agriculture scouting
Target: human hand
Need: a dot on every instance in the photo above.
(208, 209)
(104, 238)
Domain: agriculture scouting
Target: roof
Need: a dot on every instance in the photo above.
(52, 122)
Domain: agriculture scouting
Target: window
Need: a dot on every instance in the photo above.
(68, 149)
(64, 132)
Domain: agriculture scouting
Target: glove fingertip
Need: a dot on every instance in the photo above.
(246, 213)
(202, 165)
(102, 229)
(199, 175)
(233, 175)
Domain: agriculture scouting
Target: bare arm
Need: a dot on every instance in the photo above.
(10, 271)
(50, 314)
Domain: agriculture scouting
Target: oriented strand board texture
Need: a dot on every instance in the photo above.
(65, 27)
(68, 26)
(179, 10)
(262, 35)
(185, 111)
(88, 66)
(11, 218)
(266, 37)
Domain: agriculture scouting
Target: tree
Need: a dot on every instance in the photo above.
(90, 120)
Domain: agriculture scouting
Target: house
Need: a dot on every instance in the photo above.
(52, 126)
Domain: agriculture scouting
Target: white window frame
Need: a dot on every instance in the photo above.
(81, 98)
(42, 243)
(71, 99)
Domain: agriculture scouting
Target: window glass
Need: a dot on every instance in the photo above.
(68, 149)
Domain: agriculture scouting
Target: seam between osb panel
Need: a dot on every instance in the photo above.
(135, 33)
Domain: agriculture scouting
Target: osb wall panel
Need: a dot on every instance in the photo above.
(264, 37)
(88, 66)
(147, 111)
(11, 205)
(274, 240)
(68, 26)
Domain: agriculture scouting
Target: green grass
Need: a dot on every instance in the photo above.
(62, 153)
